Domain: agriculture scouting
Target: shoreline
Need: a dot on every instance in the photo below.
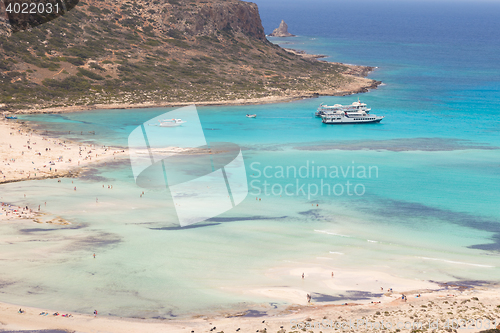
(306, 55)
(458, 305)
(237, 102)
(26, 154)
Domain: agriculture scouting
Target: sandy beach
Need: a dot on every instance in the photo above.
(27, 155)
(451, 308)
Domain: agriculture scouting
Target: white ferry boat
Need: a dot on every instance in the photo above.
(344, 118)
(354, 107)
(356, 113)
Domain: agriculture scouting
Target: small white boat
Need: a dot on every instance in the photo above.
(251, 116)
(170, 122)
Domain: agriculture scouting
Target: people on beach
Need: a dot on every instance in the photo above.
(95, 313)
(308, 298)
(302, 275)
(94, 255)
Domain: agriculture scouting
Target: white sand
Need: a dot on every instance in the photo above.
(438, 306)
(26, 155)
(12, 212)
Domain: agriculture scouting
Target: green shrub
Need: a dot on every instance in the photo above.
(94, 9)
(4, 65)
(89, 74)
(153, 42)
(96, 66)
(175, 33)
(75, 61)
(70, 84)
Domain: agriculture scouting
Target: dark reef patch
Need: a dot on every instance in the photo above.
(414, 144)
(350, 295)
(408, 210)
(193, 226)
(35, 230)
(254, 313)
(38, 331)
(249, 218)
(312, 213)
(219, 220)
(90, 242)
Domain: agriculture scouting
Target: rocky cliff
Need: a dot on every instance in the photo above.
(240, 17)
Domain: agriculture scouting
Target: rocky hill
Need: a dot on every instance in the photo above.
(159, 51)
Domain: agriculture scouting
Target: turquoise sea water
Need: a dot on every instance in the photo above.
(428, 210)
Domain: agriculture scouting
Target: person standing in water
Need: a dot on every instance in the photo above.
(94, 255)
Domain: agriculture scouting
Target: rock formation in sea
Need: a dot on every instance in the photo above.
(282, 31)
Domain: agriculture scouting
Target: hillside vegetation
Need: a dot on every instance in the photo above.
(118, 51)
